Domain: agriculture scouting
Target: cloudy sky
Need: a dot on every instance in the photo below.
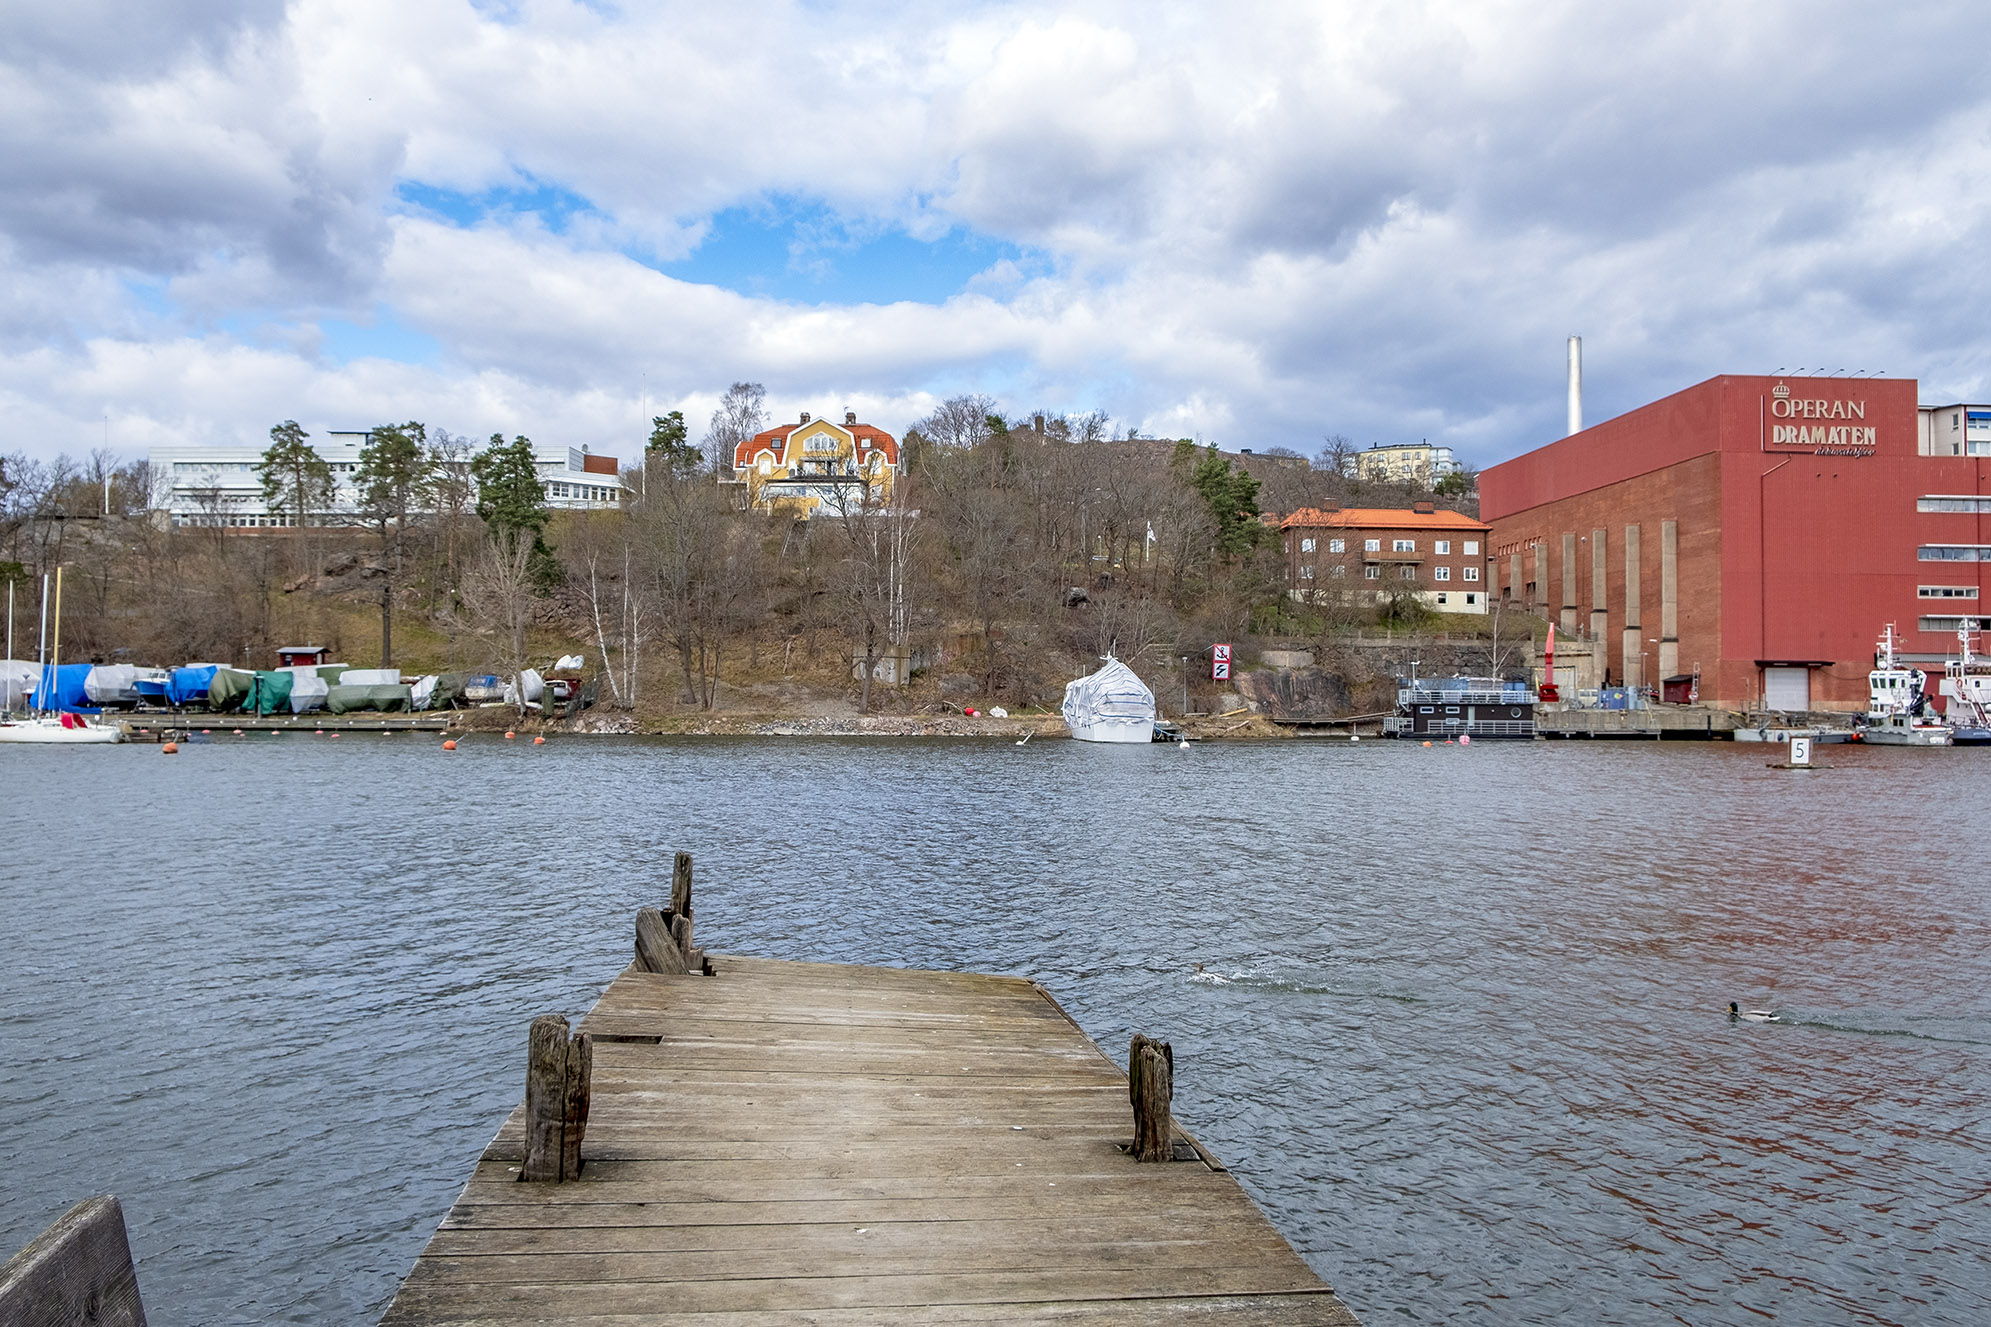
(1257, 224)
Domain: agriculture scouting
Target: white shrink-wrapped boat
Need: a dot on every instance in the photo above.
(1111, 705)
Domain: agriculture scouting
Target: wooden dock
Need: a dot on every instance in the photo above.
(789, 1143)
(159, 727)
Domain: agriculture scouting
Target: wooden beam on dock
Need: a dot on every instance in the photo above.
(77, 1271)
(789, 1143)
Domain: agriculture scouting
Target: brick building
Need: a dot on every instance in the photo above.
(1756, 532)
(1367, 553)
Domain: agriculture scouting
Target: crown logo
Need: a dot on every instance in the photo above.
(1781, 392)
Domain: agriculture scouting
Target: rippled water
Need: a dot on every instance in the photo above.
(1460, 1027)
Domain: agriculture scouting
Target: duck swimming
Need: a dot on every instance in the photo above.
(1753, 1015)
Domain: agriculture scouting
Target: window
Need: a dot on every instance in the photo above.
(1336, 570)
(1442, 548)
(1471, 599)
(1306, 545)
(1441, 596)
(1372, 573)
(1945, 502)
(1469, 573)
(1406, 572)
(1951, 625)
(1337, 545)
(1946, 591)
(1403, 546)
(1372, 545)
(1472, 548)
(1306, 573)
(1441, 573)
(1954, 553)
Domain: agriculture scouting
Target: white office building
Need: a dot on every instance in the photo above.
(219, 486)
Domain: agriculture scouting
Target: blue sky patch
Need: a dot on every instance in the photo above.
(805, 253)
(555, 207)
(384, 336)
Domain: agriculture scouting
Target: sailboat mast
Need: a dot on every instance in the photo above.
(55, 653)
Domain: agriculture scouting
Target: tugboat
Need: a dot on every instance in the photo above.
(1897, 707)
(1967, 685)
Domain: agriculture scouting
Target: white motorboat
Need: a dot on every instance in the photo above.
(1897, 705)
(1111, 705)
(1966, 686)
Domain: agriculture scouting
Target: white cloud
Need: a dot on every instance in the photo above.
(1260, 223)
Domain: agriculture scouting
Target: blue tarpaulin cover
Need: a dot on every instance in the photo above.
(189, 685)
(62, 689)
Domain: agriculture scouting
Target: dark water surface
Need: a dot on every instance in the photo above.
(1461, 1031)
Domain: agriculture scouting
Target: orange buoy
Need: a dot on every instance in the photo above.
(238, 732)
(320, 732)
(1427, 744)
(509, 734)
(170, 749)
(207, 730)
(449, 745)
(539, 741)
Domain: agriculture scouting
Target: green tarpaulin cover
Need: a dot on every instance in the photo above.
(270, 693)
(229, 689)
(385, 699)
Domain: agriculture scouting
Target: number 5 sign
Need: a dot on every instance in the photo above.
(1220, 662)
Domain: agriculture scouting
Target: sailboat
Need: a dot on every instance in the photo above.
(49, 725)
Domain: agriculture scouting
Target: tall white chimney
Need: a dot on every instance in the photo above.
(1576, 384)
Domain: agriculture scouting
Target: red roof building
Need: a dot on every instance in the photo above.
(1368, 554)
(806, 467)
(1758, 533)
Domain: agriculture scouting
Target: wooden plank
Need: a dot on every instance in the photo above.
(663, 1298)
(77, 1271)
(1304, 1310)
(789, 1142)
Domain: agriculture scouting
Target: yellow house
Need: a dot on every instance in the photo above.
(818, 466)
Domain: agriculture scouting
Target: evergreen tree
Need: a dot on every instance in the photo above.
(395, 480)
(510, 495)
(297, 481)
(1232, 497)
(511, 500)
(668, 448)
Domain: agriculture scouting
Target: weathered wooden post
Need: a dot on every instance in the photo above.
(78, 1271)
(663, 939)
(1150, 1086)
(656, 948)
(557, 1074)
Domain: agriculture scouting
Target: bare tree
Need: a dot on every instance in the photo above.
(498, 600)
(742, 413)
(959, 421)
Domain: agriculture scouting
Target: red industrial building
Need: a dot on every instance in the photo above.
(1755, 534)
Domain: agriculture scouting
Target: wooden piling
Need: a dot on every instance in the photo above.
(656, 948)
(559, 1070)
(1151, 1087)
(77, 1271)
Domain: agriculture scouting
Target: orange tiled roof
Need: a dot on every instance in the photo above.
(776, 439)
(1383, 518)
